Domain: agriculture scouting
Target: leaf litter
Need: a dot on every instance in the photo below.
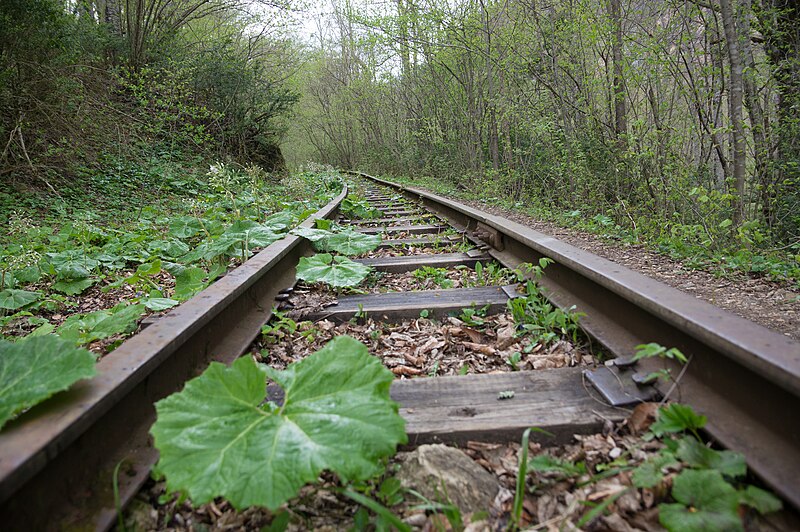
(563, 485)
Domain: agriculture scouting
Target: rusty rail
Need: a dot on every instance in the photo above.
(58, 460)
(744, 377)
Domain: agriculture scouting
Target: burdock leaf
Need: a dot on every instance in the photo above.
(337, 271)
(11, 299)
(218, 438)
(350, 242)
(32, 370)
(706, 502)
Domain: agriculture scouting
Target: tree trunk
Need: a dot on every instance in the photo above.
(620, 112)
(735, 97)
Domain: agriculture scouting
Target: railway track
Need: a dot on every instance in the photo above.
(57, 461)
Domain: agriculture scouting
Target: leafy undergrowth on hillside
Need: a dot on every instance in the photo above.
(88, 275)
(707, 245)
(149, 258)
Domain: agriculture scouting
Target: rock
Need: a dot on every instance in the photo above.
(447, 475)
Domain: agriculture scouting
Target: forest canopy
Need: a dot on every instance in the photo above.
(674, 120)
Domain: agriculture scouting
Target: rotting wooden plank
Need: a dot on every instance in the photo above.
(457, 409)
(403, 305)
(409, 263)
(461, 408)
(411, 229)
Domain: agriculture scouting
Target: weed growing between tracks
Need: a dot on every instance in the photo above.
(624, 478)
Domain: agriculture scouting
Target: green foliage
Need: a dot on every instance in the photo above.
(11, 299)
(705, 501)
(706, 493)
(189, 281)
(341, 240)
(694, 454)
(536, 316)
(653, 349)
(437, 276)
(359, 208)
(675, 418)
(336, 416)
(337, 271)
(650, 473)
(32, 370)
(82, 329)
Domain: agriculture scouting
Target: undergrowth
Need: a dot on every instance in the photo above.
(710, 244)
(152, 235)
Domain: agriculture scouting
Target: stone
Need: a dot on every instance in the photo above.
(447, 475)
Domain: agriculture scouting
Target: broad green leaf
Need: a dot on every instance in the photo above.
(29, 274)
(705, 503)
(763, 501)
(72, 264)
(151, 268)
(86, 328)
(185, 226)
(280, 220)
(218, 438)
(697, 455)
(649, 473)
(349, 242)
(337, 271)
(11, 299)
(159, 303)
(311, 234)
(73, 288)
(346, 241)
(32, 370)
(359, 209)
(189, 282)
(251, 233)
(677, 418)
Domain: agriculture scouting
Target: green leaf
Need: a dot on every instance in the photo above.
(697, 455)
(314, 235)
(185, 227)
(252, 233)
(29, 274)
(677, 418)
(649, 473)
(359, 209)
(762, 501)
(86, 328)
(159, 303)
(345, 241)
(73, 288)
(336, 271)
(705, 503)
(34, 369)
(217, 438)
(72, 264)
(11, 299)
(349, 242)
(189, 282)
(149, 268)
(280, 220)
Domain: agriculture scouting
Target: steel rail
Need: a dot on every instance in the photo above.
(744, 377)
(60, 460)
